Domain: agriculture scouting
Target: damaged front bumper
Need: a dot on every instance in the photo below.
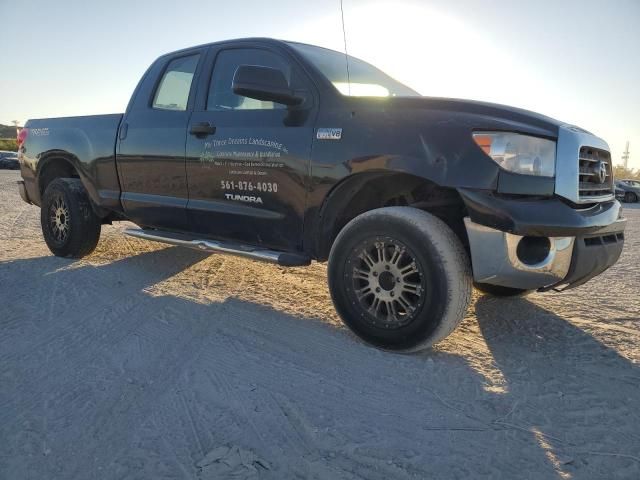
(540, 244)
(23, 191)
(495, 259)
(529, 263)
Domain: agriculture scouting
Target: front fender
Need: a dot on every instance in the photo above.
(357, 193)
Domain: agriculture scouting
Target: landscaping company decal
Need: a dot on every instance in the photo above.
(244, 157)
(39, 132)
(243, 152)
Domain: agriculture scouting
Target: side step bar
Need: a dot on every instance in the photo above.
(283, 259)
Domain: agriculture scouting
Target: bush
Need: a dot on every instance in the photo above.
(9, 144)
(619, 173)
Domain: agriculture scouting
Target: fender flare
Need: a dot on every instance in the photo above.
(53, 156)
(339, 197)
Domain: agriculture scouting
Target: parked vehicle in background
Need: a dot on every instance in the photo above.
(628, 190)
(268, 150)
(9, 160)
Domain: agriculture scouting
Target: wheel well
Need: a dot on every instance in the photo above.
(55, 168)
(363, 192)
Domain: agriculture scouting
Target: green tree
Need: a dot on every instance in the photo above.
(619, 173)
(9, 144)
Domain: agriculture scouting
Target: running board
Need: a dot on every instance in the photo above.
(283, 259)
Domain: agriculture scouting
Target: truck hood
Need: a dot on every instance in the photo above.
(493, 111)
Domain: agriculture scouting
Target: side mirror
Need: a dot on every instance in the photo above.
(264, 83)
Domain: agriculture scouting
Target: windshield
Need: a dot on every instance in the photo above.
(365, 79)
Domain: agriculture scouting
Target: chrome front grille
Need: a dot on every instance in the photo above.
(595, 174)
(578, 154)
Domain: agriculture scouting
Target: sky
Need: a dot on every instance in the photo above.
(574, 60)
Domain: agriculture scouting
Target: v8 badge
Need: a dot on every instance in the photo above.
(329, 134)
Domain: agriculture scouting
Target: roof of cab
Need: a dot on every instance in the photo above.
(272, 41)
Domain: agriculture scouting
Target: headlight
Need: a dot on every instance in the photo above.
(519, 153)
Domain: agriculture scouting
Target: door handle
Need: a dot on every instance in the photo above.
(202, 129)
(124, 128)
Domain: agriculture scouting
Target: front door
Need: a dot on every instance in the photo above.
(248, 160)
(151, 150)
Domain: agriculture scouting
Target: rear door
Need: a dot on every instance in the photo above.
(248, 174)
(151, 150)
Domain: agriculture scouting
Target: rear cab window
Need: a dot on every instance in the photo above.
(174, 87)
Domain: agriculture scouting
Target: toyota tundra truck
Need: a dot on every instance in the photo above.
(275, 151)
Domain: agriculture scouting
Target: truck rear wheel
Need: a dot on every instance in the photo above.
(399, 278)
(70, 227)
(500, 291)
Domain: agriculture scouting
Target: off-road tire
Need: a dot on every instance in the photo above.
(500, 291)
(443, 274)
(630, 197)
(70, 227)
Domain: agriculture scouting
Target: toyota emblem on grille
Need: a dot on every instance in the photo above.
(601, 171)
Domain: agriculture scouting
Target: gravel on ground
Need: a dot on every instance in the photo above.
(148, 361)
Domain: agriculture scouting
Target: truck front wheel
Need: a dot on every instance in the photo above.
(399, 278)
(69, 225)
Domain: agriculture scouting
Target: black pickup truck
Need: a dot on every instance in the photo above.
(271, 150)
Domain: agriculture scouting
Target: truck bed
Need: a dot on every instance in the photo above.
(91, 143)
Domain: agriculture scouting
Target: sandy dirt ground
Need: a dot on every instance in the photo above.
(148, 361)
